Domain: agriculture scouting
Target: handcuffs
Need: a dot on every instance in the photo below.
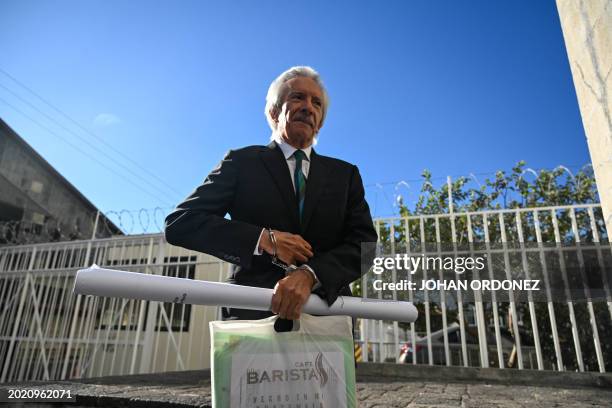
(289, 269)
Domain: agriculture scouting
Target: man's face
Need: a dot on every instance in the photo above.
(299, 119)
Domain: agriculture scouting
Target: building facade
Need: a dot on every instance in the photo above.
(37, 204)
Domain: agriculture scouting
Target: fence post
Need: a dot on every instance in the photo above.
(75, 315)
(146, 365)
(141, 313)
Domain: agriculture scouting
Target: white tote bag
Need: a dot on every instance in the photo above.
(253, 366)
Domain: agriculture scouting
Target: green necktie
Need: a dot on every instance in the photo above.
(300, 180)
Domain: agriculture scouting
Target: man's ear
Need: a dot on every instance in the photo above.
(274, 114)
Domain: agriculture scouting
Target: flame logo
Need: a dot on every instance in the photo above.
(320, 370)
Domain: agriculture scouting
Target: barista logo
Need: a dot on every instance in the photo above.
(319, 366)
(303, 371)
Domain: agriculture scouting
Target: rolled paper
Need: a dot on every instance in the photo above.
(133, 285)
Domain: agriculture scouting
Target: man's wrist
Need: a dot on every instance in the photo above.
(265, 244)
(258, 250)
(309, 272)
(309, 269)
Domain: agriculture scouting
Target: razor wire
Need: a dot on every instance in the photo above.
(109, 223)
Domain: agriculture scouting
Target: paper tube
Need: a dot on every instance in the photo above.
(112, 283)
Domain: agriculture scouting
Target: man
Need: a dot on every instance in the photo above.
(288, 206)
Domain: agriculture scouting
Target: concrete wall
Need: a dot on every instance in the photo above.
(32, 189)
(587, 30)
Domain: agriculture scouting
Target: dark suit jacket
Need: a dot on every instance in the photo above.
(253, 185)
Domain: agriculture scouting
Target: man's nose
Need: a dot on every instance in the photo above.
(305, 110)
(307, 106)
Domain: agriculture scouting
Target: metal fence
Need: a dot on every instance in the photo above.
(46, 333)
(559, 335)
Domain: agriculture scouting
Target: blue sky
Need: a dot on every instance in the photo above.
(456, 87)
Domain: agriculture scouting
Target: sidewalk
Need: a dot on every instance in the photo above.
(378, 386)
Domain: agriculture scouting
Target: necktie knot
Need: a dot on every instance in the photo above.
(299, 155)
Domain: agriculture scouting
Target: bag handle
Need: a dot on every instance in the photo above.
(286, 325)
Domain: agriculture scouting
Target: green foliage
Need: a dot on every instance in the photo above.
(521, 188)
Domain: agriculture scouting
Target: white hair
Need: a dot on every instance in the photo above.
(277, 91)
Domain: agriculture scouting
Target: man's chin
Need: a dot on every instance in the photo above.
(301, 139)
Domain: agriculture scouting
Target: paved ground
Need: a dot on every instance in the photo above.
(379, 386)
(438, 395)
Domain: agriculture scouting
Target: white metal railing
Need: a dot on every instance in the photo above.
(494, 344)
(46, 333)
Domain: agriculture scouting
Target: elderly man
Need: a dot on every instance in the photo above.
(289, 206)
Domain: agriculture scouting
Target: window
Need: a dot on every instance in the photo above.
(179, 315)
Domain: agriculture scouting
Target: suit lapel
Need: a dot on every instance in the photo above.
(315, 183)
(279, 171)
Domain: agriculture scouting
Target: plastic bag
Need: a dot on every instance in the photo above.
(312, 366)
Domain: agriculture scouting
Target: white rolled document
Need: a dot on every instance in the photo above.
(112, 283)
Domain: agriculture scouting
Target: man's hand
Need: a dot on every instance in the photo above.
(291, 293)
(292, 249)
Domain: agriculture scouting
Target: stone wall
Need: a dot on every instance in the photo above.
(587, 30)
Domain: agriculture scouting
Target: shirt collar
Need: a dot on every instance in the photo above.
(288, 150)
